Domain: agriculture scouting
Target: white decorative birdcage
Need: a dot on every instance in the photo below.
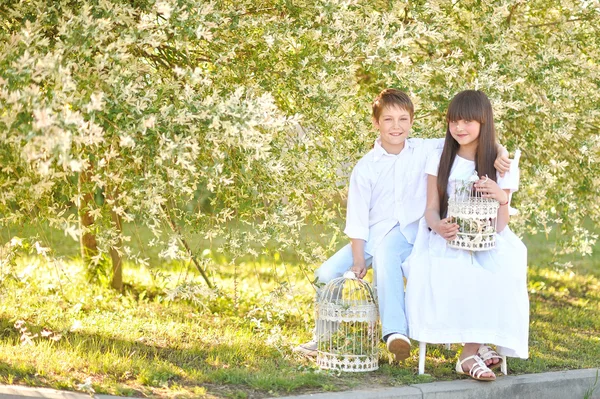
(475, 216)
(347, 325)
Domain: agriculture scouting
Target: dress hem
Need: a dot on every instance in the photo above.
(506, 346)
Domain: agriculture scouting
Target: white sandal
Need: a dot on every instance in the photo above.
(485, 352)
(476, 370)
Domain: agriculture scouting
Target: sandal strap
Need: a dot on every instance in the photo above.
(485, 352)
(478, 368)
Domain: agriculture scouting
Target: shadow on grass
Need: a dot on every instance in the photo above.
(141, 368)
(221, 369)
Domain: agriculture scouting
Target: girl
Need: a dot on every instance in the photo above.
(455, 295)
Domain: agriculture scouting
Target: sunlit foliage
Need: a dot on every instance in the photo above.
(253, 113)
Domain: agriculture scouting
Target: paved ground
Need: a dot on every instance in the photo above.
(21, 392)
(557, 385)
(574, 384)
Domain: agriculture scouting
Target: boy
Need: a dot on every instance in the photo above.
(386, 199)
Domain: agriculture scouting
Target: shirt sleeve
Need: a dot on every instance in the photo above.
(357, 209)
(433, 144)
(433, 162)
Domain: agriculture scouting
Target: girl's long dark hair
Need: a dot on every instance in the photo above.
(468, 105)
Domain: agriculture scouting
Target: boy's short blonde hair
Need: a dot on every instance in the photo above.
(392, 98)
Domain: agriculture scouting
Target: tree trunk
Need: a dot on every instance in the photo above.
(87, 241)
(117, 261)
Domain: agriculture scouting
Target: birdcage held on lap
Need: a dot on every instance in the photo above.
(475, 216)
(347, 325)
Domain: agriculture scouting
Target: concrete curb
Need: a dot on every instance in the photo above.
(22, 392)
(555, 385)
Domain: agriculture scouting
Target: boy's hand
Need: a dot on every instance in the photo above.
(359, 268)
(447, 229)
(502, 162)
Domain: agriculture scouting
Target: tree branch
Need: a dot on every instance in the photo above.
(429, 53)
(558, 22)
(512, 11)
(177, 231)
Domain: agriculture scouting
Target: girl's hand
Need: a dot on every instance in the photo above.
(490, 189)
(447, 229)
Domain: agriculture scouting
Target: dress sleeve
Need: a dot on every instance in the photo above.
(433, 162)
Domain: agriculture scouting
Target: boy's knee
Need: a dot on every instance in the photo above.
(392, 258)
(325, 275)
(385, 267)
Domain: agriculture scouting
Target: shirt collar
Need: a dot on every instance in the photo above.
(381, 152)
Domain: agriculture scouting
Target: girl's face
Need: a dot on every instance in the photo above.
(466, 133)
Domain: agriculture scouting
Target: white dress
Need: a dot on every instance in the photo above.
(459, 296)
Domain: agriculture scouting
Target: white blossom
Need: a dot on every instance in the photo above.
(164, 8)
(149, 122)
(96, 102)
(75, 165)
(43, 118)
(127, 142)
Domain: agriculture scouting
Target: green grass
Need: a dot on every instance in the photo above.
(238, 343)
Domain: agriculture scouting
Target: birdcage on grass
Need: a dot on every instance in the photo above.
(475, 216)
(347, 325)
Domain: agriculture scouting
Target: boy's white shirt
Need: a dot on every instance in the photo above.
(388, 189)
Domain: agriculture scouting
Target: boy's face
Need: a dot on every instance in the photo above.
(394, 126)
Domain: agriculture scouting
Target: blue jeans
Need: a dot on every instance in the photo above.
(387, 263)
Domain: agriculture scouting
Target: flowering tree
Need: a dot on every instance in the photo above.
(199, 115)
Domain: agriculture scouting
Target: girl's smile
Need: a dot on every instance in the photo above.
(465, 132)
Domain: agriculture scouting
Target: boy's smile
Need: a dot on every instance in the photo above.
(394, 126)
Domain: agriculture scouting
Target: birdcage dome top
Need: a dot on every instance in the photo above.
(354, 291)
(347, 298)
